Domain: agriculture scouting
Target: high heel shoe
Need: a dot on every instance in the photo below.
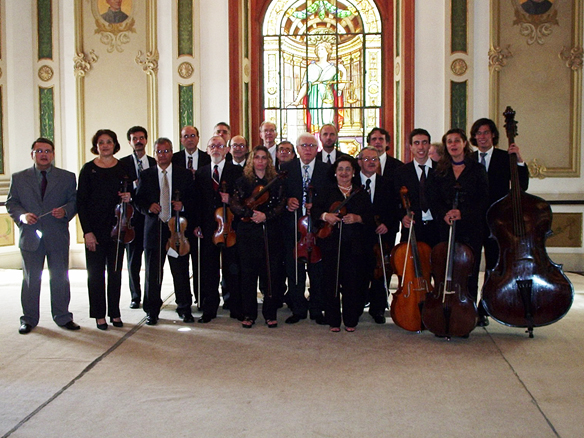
(101, 326)
(117, 323)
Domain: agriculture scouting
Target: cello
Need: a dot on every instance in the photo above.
(411, 262)
(448, 309)
(525, 288)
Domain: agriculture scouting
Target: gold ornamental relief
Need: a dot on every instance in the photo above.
(459, 67)
(498, 57)
(82, 63)
(572, 57)
(148, 61)
(535, 18)
(185, 70)
(536, 170)
(45, 73)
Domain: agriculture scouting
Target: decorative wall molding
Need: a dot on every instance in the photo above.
(498, 57)
(82, 63)
(572, 57)
(148, 61)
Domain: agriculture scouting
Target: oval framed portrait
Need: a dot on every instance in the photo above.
(536, 7)
(112, 11)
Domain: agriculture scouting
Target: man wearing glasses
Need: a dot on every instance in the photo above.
(303, 172)
(380, 192)
(191, 157)
(214, 184)
(42, 201)
(239, 150)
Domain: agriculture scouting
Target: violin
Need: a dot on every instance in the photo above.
(122, 231)
(338, 208)
(261, 194)
(177, 226)
(306, 249)
(411, 262)
(525, 289)
(448, 310)
(224, 234)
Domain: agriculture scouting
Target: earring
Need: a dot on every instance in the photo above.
(335, 175)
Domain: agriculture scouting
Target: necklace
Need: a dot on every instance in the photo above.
(344, 190)
(457, 163)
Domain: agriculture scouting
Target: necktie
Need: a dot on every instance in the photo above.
(423, 201)
(328, 158)
(164, 214)
(190, 164)
(43, 183)
(368, 186)
(216, 177)
(483, 161)
(305, 183)
(140, 166)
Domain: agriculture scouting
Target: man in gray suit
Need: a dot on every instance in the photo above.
(42, 201)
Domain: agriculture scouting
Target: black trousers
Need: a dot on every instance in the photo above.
(102, 298)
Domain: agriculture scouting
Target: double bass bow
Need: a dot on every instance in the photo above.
(448, 310)
(411, 262)
(525, 289)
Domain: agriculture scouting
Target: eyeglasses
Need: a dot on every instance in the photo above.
(308, 145)
(367, 159)
(190, 136)
(163, 151)
(43, 151)
(216, 146)
(238, 145)
(285, 151)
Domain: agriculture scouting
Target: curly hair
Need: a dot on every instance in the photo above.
(107, 132)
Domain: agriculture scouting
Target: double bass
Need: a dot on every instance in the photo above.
(411, 262)
(448, 310)
(525, 288)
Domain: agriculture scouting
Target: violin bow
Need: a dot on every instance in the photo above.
(338, 259)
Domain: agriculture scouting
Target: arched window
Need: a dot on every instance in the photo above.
(322, 63)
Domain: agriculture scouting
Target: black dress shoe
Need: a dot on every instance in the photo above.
(483, 321)
(71, 326)
(187, 317)
(135, 304)
(319, 319)
(117, 323)
(379, 319)
(293, 319)
(24, 328)
(205, 319)
(101, 326)
(151, 320)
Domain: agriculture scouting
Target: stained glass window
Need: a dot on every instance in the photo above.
(322, 64)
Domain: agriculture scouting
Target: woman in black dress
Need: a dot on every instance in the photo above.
(99, 191)
(254, 226)
(351, 231)
(458, 170)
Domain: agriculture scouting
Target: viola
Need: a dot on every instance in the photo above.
(411, 262)
(448, 310)
(224, 233)
(306, 249)
(122, 231)
(261, 194)
(525, 289)
(177, 226)
(338, 208)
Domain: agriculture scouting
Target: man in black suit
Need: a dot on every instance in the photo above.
(328, 138)
(191, 157)
(158, 185)
(410, 176)
(135, 163)
(208, 185)
(238, 146)
(381, 195)
(41, 201)
(380, 139)
(303, 172)
(284, 153)
(485, 135)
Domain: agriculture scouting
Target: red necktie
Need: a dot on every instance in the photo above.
(216, 177)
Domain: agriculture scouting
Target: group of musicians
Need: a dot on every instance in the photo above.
(294, 211)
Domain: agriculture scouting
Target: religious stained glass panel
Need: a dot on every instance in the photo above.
(322, 64)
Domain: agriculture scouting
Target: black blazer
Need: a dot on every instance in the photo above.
(340, 154)
(180, 159)
(499, 174)
(391, 165)
(407, 176)
(148, 193)
(385, 205)
(209, 200)
(128, 163)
